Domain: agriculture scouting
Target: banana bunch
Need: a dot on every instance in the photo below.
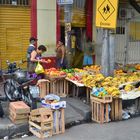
(133, 78)
(108, 79)
(114, 91)
(88, 80)
(129, 87)
(99, 77)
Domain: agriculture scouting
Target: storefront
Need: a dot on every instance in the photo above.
(21, 19)
(14, 29)
(80, 24)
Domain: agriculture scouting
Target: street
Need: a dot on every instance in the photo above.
(123, 130)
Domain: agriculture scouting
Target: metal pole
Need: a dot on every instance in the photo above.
(111, 53)
(126, 45)
(105, 54)
(68, 19)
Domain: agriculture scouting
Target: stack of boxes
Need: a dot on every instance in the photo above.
(19, 112)
(41, 122)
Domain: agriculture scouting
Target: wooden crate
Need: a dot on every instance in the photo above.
(88, 91)
(19, 112)
(137, 104)
(59, 121)
(18, 121)
(104, 99)
(44, 87)
(41, 115)
(41, 130)
(18, 116)
(116, 109)
(19, 107)
(41, 122)
(100, 109)
(58, 87)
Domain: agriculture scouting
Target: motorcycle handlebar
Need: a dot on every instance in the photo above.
(20, 62)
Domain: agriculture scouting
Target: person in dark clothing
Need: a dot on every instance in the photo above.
(31, 48)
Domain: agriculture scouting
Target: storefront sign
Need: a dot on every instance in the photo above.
(63, 2)
(106, 13)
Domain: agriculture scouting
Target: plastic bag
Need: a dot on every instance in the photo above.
(39, 69)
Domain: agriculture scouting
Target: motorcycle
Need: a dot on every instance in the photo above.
(19, 85)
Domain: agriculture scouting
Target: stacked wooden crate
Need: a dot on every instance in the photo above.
(100, 108)
(59, 121)
(57, 86)
(19, 112)
(116, 109)
(41, 122)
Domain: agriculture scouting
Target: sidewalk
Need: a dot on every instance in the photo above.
(76, 112)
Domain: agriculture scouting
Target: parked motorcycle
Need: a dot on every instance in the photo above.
(19, 85)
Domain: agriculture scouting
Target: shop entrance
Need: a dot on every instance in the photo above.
(80, 38)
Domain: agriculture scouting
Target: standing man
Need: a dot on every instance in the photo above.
(61, 60)
(31, 48)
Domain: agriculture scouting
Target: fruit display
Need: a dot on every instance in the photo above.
(114, 91)
(89, 80)
(93, 69)
(103, 85)
(68, 70)
(119, 72)
(53, 72)
(137, 67)
(98, 92)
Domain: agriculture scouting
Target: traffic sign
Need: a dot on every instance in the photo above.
(106, 13)
(63, 2)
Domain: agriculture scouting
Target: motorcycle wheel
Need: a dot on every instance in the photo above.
(9, 90)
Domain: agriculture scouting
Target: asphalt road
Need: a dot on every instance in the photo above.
(123, 130)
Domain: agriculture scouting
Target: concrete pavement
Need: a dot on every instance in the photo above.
(123, 130)
(76, 112)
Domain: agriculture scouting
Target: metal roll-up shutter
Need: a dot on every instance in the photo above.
(14, 32)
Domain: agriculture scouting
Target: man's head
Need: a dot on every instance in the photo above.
(41, 49)
(32, 40)
(60, 43)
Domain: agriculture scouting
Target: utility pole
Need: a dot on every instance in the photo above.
(106, 18)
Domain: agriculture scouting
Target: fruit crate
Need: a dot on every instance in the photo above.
(44, 87)
(137, 104)
(59, 121)
(116, 109)
(41, 130)
(41, 115)
(19, 112)
(100, 109)
(104, 99)
(53, 78)
(88, 91)
(41, 122)
(58, 87)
